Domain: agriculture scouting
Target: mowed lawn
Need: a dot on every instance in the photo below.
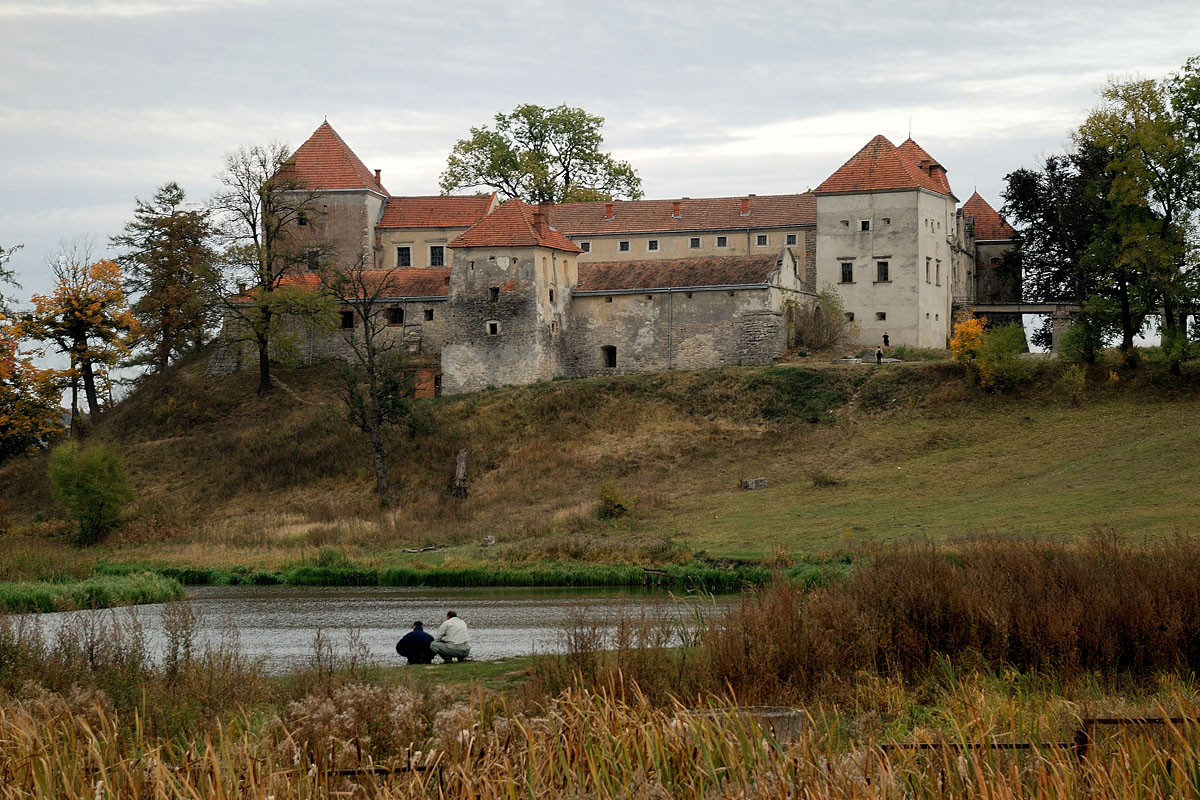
(1117, 464)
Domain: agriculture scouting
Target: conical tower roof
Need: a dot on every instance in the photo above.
(325, 161)
(513, 225)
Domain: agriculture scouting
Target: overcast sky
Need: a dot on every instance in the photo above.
(103, 100)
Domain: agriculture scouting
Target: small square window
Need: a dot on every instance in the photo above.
(847, 272)
(347, 319)
(722, 241)
(760, 240)
(404, 256)
(652, 244)
(864, 224)
(881, 271)
(694, 243)
(791, 239)
(585, 247)
(608, 299)
(429, 315)
(887, 220)
(302, 220)
(437, 255)
(845, 223)
(493, 328)
(623, 245)
(849, 316)
(395, 316)
(880, 316)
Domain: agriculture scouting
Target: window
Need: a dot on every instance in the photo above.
(652, 244)
(585, 247)
(847, 272)
(314, 260)
(791, 239)
(849, 316)
(437, 255)
(302, 220)
(760, 240)
(887, 220)
(551, 295)
(395, 316)
(864, 224)
(880, 315)
(404, 256)
(347, 319)
(623, 245)
(937, 272)
(494, 294)
(493, 327)
(694, 242)
(429, 315)
(928, 263)
(609, 353)
(881, 271)
(845, 223)
(722, 241)
(608, 299)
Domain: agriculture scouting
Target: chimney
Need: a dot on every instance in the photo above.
(746, 206)
(677, 210)
(608, 210)
(377, 174)
(925, 164)
(541, 219)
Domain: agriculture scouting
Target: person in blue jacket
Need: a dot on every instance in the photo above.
(415, 645)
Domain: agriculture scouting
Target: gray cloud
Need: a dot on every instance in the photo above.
(102, 101)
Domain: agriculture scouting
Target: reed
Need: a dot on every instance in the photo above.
(101, 591)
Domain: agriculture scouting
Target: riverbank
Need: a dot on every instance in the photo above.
(133, 587)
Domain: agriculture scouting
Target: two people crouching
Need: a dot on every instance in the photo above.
(450, 641)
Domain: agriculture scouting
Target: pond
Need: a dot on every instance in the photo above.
(279, 624)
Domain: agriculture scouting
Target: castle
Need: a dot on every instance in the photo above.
(490, 293)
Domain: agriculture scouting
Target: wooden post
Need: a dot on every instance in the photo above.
(459, 489)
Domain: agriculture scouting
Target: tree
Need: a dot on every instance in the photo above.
(260, 209)
(6, 276)
(91, 484)
(86, 317)
(375, 386)
(1154, 168)
(29, 410)
(541, 155)
(171, 266)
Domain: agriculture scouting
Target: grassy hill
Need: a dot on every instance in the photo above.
(854, 455)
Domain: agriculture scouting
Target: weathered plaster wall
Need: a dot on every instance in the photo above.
(677, 244)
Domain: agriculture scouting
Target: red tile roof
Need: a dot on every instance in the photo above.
(512, 225)
(989, 225)
(396, 283)
(602, 276)
(880, 166)
(324, 161)
(697, 214)
(436, 211)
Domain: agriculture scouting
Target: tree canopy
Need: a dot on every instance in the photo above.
(1111, 225)
(541, 155)
(171, 266)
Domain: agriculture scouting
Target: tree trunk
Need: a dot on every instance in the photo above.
(459, 489)
(377, 458)
(89, 389)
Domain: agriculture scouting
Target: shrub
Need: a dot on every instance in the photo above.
(613, 505)
(998, 364)
(966, 338)
(821, 323)
(90, 482)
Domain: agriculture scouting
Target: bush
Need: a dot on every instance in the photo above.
(821, 323)
(998, 364)
(90, 482)
(612, 504)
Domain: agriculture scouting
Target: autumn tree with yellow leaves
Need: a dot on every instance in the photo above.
(86, 317)
(29, 410)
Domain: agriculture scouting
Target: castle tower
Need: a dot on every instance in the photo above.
(511, 278)
(886, 229)
(348, 199)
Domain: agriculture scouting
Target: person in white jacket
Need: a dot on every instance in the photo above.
(451, 640)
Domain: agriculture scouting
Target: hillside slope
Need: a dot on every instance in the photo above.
(851, 454)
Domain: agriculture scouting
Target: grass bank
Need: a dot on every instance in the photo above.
(345, 573)
(102, 591)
